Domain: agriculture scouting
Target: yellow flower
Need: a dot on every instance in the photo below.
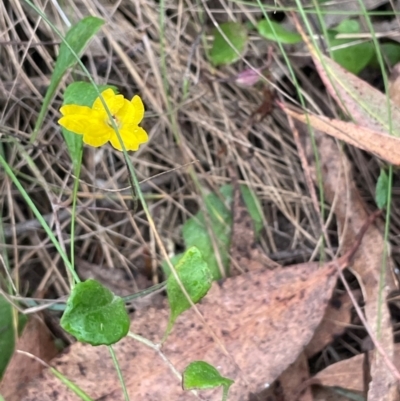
(95, 126)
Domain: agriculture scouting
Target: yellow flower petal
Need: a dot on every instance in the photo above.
(114, 102)
(75, 109)
(97, 135)
(131, 135)
(78, 118)
(132, 112)
(74, 123)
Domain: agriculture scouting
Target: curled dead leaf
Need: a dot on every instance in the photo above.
(382, 145)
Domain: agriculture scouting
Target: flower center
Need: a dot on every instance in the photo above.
(115, 119)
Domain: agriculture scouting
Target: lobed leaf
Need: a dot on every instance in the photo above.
(95, 315)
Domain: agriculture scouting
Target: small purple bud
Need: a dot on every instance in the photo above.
(248, 77)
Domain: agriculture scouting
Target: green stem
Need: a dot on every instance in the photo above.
(40, 218)
(77, 171)
(72, 386)
(118, 369)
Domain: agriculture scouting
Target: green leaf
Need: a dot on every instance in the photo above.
(174, 260)
(195, 277)
(81, 94)
(221, 51)
(95, 315)
(381, 190)
(7, 332)
(272, 30)
(195, 232)
(77, 37)
(201, 375)
(390, 52)
(254, 208)
(353, 57)
(348, 26)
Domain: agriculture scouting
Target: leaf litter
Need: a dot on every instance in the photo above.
(130, 355)
(340, 190)
(263, 320)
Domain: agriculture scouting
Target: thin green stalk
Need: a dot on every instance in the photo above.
(40, 218)
(77, 172)
(118, 369)
(322, 24)
(72, 386)
(349, 14)
(225, 393)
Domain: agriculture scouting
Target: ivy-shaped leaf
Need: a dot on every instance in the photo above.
(95, 315)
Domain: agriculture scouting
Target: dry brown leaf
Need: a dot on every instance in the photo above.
(293, 379)
(382, 145)
(263, 319)
(349, 372)
(37, 340)
(337, 318)
(366, 105)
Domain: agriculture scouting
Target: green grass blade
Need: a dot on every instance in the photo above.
(73, 387)
(77, 37)
(37, 214)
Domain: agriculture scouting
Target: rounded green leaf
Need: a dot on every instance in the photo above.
(95, 315)
(195, 276)
(222, 52)
(202, 375)
(273, 31)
